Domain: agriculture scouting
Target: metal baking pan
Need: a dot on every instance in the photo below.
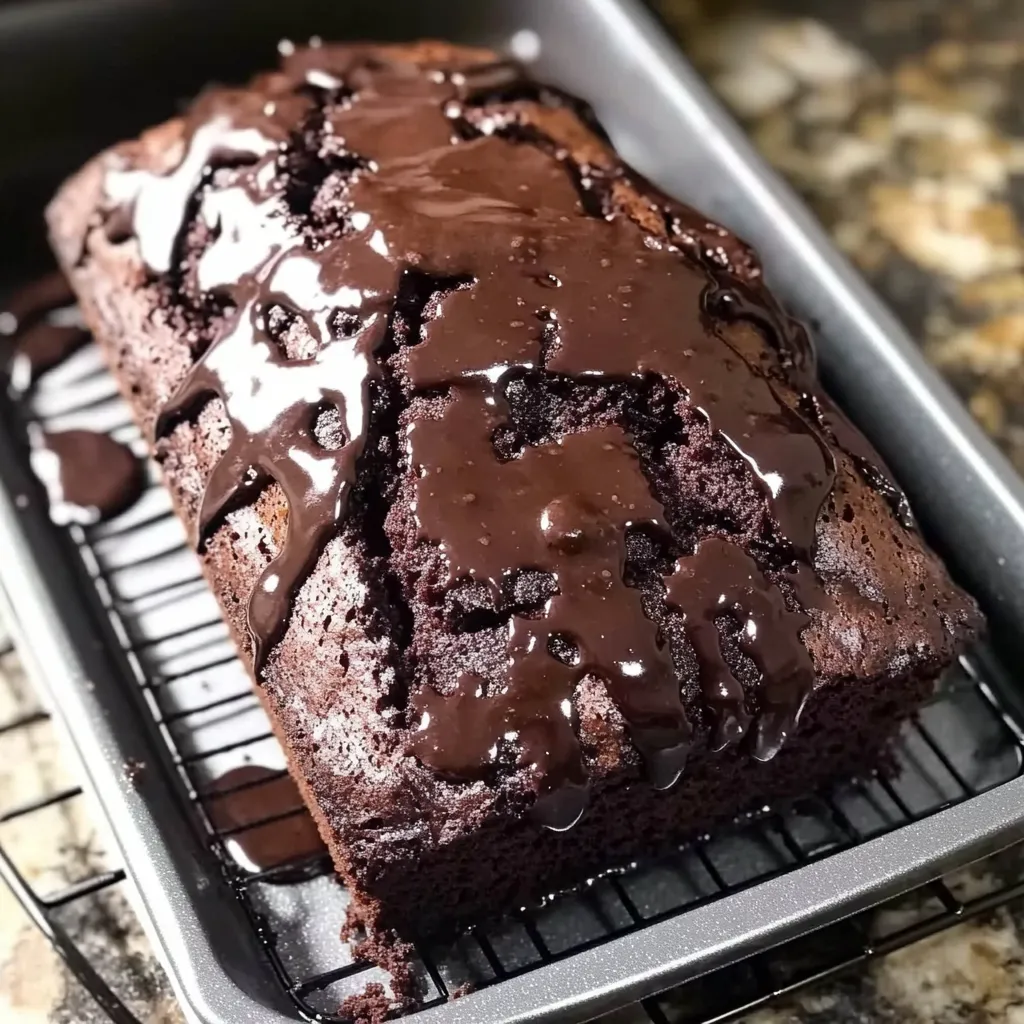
(111, 657)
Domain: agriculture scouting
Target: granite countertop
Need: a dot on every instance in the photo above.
(902, 123)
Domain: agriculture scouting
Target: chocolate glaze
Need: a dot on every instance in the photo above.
(88, 476)
(264, 822)
(719, 579)
(45, 327)
(532, 275)
(735, 296)
(38, 297)
(272, 403)
(868, 462)
(577, 534)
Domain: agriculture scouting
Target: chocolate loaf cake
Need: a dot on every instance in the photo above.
(514, 482)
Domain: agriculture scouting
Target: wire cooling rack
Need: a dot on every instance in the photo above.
(966, 740)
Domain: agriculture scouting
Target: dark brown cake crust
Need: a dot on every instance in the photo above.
(824, 585)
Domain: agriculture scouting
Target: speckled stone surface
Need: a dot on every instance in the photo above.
(902, 123)
(51, 848)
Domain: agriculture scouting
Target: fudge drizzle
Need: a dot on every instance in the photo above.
(550, 288)
(44, 326)
(260, 817)
(88, 476)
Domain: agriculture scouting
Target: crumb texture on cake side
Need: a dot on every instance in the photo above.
(514, 482)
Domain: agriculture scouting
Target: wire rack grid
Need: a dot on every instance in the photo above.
(173, 638)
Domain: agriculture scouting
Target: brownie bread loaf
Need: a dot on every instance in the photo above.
(514, 482)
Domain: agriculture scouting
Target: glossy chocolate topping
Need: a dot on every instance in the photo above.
(263, 821)
(88, 476)
(720, 580)
(546, 510)
(534, 270)
(44, 326)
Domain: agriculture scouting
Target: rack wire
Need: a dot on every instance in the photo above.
(174, 640)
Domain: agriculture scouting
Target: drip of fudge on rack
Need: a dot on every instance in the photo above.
(42, 326)
(88, 476)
